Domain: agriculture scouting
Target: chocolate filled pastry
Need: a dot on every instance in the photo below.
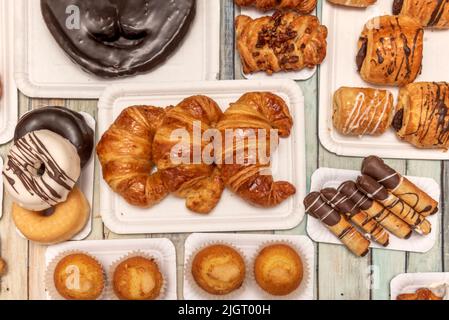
(117, 38)
(337, 224)
(361, 219)
(65, 122)
(300, 6)
(430, 13)
(354, 3)
(282, 42)
(400, 186)
(422, 116)
(376, 191)
(390, 50)
(375, 210)
(362, 111)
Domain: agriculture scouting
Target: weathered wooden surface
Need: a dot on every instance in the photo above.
(339, 274)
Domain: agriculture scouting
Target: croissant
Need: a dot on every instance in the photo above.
(282, 42)
(243, 169)
(430, 13)
(353, 3)
(300, 6)
(193, 179)
(125, 153)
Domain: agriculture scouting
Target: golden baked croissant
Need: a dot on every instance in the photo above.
(196, 181)
(300, 6)
(430, 13)
(125, 153)
(282, 42)
(390, 50)
(248, 176)
(422, 116)
(353, 3)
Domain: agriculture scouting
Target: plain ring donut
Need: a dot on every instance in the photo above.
(66, 221)
(41, 170)
(65, 122)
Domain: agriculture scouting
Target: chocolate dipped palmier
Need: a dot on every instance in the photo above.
(65, 122)
(116, 38)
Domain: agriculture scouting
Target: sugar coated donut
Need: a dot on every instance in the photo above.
(41, 169)
(66, 221)
(65, 122)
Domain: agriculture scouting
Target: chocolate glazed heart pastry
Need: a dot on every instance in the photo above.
(118, 38)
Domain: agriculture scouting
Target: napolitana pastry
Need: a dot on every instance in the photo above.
(375, 210)
(137, 278)
(65, 122)
(218, 269)
(361, 219)
(199, 183)
(79, 277)
(420, 294)
(400, 186)
(278, 269)
(251, 180)
(422, 116)
(119, 38)
(376, 191)
(362, 111)
(65, 220)
(125, 152)
(282, 42)
(430, 13)
(300, 6)
(41, 170)
(337, 224)
(390, 50)
(354, 3)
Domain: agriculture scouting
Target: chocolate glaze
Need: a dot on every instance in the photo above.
(398, 120)
(397, 6)
(120, 37)
(339, 202)
(372, 188)
(376, 168)
(350, 190)
(361, 55)
(65, 122)
(319, 209)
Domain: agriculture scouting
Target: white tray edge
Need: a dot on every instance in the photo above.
(402, 280)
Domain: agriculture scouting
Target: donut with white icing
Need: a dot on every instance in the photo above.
(41, 169)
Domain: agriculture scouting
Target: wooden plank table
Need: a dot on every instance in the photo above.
(339, 274)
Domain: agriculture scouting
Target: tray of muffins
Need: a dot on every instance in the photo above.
(380, 87)
(91, 44)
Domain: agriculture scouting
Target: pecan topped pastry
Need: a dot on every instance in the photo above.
(281, 42)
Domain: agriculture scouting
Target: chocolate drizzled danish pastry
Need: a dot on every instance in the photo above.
(422, 117)
(354, 3)
(390, 50)
(430, 13)
(300, 6)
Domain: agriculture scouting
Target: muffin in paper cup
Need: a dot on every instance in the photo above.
(306, 266)
(110, 292)
(49, 279)
(203, 293)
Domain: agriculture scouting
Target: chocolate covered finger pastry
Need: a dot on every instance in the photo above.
(362, 111)
(375, 190)
(430, 13)
(375, 210)
(361, 219)
(400, 186)
(422, 116)
(337, 224)
(300, 6)
(121, 37)
(353, 3)
(390, 50)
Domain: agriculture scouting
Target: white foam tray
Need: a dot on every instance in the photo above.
(85, 183)
(333, 178)
(232, 213)
(9, 101)
(44, 70)
(303, 74)
(339, 69)
(249, 246)
(410, 282)
(109, 251)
